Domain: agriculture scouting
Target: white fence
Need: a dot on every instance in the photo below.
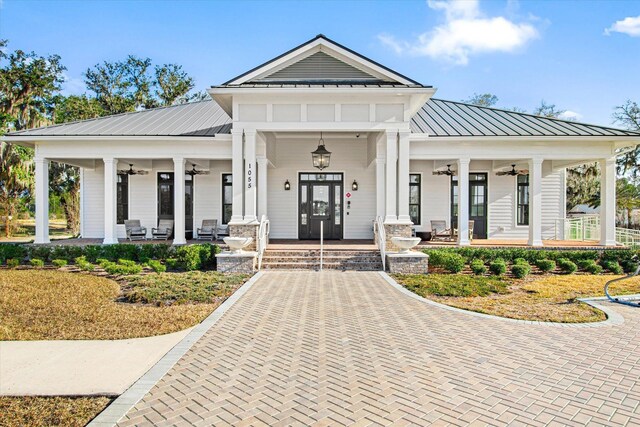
(381, 236)
(263, 238)
(586, 228)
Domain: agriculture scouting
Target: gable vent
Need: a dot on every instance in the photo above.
(319, 67)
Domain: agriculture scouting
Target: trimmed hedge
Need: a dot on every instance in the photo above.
(478, 267)
(567, 266)
(498, 267)
(546, 265)
(191, 257)
(450, 261)
(520, 270)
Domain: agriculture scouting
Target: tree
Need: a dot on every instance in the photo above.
(482, 100)
(64, 180)
(583, 185)
(547, 110)
(130, 86)
(76, 107)
(27, 84)
(173, 84)
(16, 180)
(628, 115)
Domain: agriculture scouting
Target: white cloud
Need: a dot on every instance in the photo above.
(629, 26)
(72, 85)
(465, 32)
(570, 115)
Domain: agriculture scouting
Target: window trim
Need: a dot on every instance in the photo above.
(223, 184)
(419, 204)
(517, 201)
(128, 196)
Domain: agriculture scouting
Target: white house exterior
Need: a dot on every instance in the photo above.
(385, 132)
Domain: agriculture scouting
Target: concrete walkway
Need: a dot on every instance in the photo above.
(342, 348)
(79, 367)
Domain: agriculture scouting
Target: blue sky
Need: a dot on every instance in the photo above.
(584, 56)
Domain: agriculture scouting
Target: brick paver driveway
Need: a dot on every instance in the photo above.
(304, 348)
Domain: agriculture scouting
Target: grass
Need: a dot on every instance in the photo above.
(50, 411)
(26, 229)
(55, 305)
(547, 298)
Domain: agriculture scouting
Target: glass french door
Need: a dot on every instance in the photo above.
(477, 203)
(166, 200)
(320, 198)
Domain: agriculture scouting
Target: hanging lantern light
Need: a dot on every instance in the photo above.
(321, 157)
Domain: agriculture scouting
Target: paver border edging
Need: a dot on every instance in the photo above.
(613, 317)
(127, 400)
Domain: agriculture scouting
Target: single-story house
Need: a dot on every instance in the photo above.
(397, 153)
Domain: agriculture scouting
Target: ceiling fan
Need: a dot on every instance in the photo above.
(194, 171)
(447, 172)
(131, 171)
(513, 172)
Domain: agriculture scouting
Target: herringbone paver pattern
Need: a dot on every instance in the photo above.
(307, 348)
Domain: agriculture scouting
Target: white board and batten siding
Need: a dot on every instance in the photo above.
(502, 202)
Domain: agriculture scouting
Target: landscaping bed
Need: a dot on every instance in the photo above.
(36, 411)
(522, 283)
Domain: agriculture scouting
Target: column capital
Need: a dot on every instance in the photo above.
(109, 160)
(464, 160)
(40, 160)
(608, 161)
(536, 160)
(235, 131)
(179, 159)
(250, 132)
(404, 133)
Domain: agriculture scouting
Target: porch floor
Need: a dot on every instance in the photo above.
(511, 243)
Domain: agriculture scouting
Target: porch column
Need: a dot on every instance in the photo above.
(463, 201)
(110, 192)
(250, 176)
(236, 170)
(391, 175)
(403, 177)
(262, 186)
(42, 200)
(380, 188)
(535, 202)
(178, 201)
(608, 202)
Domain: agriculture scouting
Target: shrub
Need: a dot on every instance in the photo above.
(454, 263)
(59, 262)
(40, 252)
(11, 250)
(498, 267)
(628, 265)
(453, 286)
(172, 263)
(157, 266)
(478, 267)
(446, 259)
(612, 266)
(589, 266)
(67, 253)
(520, 261)
(83, 264)
(520, 270)
(13, 262)
(546, 265)
(122, 267)
(195, 257)
(567, 266)
(36, 262)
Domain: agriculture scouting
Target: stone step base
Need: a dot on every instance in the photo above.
(357, 260)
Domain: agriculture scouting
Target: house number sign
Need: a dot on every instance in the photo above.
(249, 175)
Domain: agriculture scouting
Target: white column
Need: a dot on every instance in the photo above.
(391, 189)
(463, 201)
(250, 176)
(178, 201)
(608, 202)
(110, 217)
(42, 200)
(380, 187)
(262, 186)
(403, 177)
(237, 166)
(535, 202)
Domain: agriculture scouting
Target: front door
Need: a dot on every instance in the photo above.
(477, 203)
(320, 198)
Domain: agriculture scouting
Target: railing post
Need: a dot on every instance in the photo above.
(321, 242)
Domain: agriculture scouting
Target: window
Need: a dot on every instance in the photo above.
(227, 197)
(414, 198)
(523, 200)
(122, 198)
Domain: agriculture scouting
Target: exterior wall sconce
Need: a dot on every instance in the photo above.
(287, 185)
(354, 186)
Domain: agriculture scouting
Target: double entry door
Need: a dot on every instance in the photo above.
(320, 205)
(166, 200)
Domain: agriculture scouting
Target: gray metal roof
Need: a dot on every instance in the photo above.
(437, 118)
(440, 118)
(204, 118)
(333, 84)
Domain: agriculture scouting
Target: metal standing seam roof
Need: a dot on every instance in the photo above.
(437, 118)
(197, 119)
(321, 84)
(440, 118)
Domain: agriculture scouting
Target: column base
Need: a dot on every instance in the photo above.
(179, 241)
(110, 241)
(41, 241)
(535, 243)
(245, 230)
(465, 242)
(608, 243)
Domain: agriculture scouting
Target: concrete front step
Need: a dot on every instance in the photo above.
(361, 260)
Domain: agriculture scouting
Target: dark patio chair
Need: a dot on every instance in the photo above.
(164, 231)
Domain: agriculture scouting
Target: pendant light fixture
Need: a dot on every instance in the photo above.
(321, 157)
